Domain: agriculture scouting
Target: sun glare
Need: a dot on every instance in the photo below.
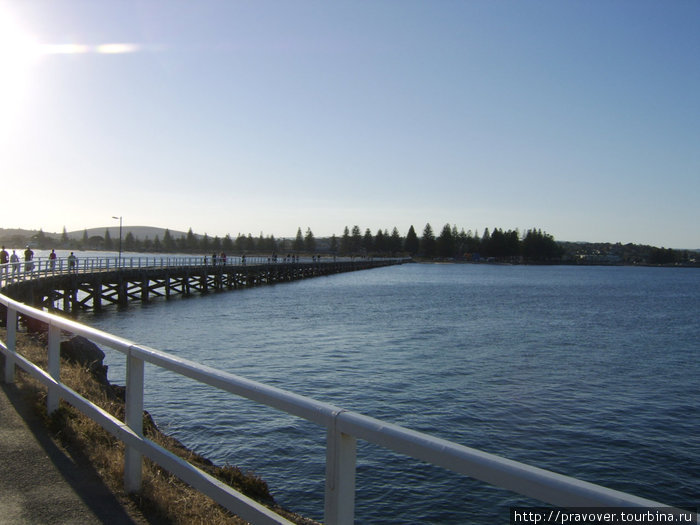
(18, 49)
(18, 52)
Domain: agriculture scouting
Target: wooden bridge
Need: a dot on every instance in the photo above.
(93, 283)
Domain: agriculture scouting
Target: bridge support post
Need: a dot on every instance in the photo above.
(74, 300)
(97, 296)
(134, 420)
(144, 290)
(122, 297)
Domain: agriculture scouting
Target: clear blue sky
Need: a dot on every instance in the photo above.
(581, 118)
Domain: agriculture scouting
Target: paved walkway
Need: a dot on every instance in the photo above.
(40, 483)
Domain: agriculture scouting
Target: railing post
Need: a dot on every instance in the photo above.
(54, 366)
(11, 344)
(134, 420)
(340, 476)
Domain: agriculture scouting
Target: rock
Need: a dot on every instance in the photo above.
(82, 351)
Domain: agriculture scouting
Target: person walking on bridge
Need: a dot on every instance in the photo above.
(14, 259)
(4, 258)
(28, 259)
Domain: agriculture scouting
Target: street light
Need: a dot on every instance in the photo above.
(120, 239)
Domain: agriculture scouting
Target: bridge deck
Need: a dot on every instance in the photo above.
(91, 289)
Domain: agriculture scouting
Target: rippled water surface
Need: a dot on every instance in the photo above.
(590, 372)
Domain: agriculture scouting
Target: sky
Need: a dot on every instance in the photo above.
(580, 118)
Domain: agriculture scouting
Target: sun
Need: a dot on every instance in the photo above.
(19, 51)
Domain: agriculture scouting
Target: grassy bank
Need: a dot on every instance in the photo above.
(163, 499)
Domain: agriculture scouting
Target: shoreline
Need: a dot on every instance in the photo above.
(164, 499)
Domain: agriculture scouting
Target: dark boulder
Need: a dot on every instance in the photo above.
(84, 352)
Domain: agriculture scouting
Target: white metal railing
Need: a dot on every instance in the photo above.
(39, 267)
(343, 428)
(44, 267)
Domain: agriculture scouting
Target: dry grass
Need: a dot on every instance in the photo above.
(163, 498)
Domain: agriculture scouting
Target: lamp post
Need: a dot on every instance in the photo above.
(120, 240)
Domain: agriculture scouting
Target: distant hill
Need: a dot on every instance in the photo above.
(139, 232)
(39, 238)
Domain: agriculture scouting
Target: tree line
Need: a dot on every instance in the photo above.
(451, 243)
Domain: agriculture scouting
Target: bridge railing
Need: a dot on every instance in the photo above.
(342, 428)
(44, 267)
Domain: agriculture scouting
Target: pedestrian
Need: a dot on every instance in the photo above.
(28, 259)
(72, 261)
(14, 259)
(4, 258)
(52, 260)
(223, 259)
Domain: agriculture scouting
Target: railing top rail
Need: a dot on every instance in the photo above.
(113, 341)
(534, 482)
(513, 475)
(305, 407)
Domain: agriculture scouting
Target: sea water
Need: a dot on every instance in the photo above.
(591, 372)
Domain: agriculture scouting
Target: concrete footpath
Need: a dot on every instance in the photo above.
(40, 483)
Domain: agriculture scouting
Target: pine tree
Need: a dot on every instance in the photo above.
(181, 244)
(445, 242)
(250, 243)
(427, 242)
(240, 243)
(64, 237)
(309, 241)
(168, 241)
(356, 240)
(368, 241)
(130, 243)
(345, 244)
(298, 245)
(227, 244)
(380, 242)
(411, 245)
(395, 241)
(108, 240)
(191, 241)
